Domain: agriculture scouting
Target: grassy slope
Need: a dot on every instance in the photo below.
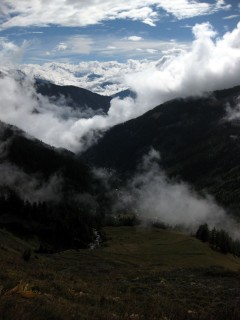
(139, 274)
(163, 249)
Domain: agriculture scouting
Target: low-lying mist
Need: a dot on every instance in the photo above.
(30, 187)
(156, 198)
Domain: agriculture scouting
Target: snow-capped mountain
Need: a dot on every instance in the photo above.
(105, 78)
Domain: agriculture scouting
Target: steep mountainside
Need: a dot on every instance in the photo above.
(196, 141)
(35, 157)
(46, 192)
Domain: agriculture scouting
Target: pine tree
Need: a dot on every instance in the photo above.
(203, 233)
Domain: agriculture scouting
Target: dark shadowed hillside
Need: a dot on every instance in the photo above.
(194, 138)
(45, 192)
(75, 97)
(36, 157)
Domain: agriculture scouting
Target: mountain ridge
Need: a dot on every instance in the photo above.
(196, 141)
(75, 97)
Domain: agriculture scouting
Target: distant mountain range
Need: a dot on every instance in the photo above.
(196, 141)
(105, 78)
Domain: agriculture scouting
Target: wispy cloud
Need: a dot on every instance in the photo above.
(76, 45)
(234, 16)
(137, 47)
(133, 47)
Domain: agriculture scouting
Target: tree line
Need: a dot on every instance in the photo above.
(219, 240)
(62, 225)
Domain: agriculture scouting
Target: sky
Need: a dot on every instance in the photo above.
(73, 31)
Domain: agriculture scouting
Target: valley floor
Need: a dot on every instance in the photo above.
(137, 274)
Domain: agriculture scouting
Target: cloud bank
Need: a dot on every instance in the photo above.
(212, 63)
(14, 13)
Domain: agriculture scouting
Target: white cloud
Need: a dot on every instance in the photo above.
(11, 53)
(82, 13)
(182, 9)
(212, 63)
(144, 14)
(204, 30)
(134, 38)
